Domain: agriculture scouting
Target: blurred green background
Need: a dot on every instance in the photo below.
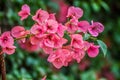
(33, 66)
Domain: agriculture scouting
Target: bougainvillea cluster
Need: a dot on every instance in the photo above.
(62, 43)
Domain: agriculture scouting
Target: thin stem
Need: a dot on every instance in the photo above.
(26, 36)
(20, 38)
(2, 66)
(93, 38)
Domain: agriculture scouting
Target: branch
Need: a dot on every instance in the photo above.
(2, 66)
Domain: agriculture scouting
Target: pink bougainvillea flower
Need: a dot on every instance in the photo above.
(59, 42)
(72, 25)
(47, 50)
(83, 26)
(48, 40)
(38, 30)
(52, 26)
(51, 41)
(52, 16)
(6, 39)
(93, 50)
(34, 40)
(77, 41)
(9, 49)
(61, 29)
(18, 31)
(54, 41)
(40, 16)
(60, 57)
(25, 12)
(75, 12)
(44, 78)
(86, 45)
(78, 54)
(28, 46)
(96, 28)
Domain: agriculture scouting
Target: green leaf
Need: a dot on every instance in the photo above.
(86, 36)
(95, 7)
(105, 6)
(88, 75)
(102, 46)
(66, 36)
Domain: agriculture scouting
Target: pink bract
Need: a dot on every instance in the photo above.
(48, 40)
(83, 26)
(96, 28)
(9, 49)
(78, 54)
(93, 50)
(60, 57)
(77, 41)
(38, 30)
(52, 26)
(61, 30)
(86, 45)
(52, 16)
(6, 39)
(72, 25)
(53, 41)
(25, 12)
(47, 50)
(41, 16)
(75, 12)
(18, 31)
(29, 46)
(34, 40)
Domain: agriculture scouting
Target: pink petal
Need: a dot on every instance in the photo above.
(77, 41)
(75, 12)
(26, 8)
(60, 57)
(47, 50)
(61, 29)
(57, 63)
(52, 16)
(34, 40)
(38, 30)
(86, 45)
(93, 50)
(83, 26)
(6, 39)
(18, 31)
(52, 26)
(25, 12)
(9, 50)
(49, 43)
(72, 25)
(40, 16)
(95, 29)
(78, 54)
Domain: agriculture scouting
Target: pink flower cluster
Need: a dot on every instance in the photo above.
(6, 43)
(47, 34)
